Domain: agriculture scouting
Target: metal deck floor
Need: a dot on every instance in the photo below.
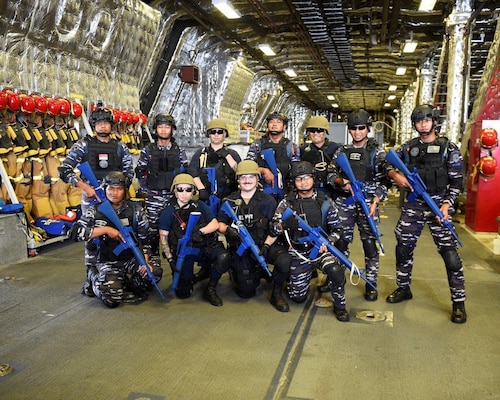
(62, 345)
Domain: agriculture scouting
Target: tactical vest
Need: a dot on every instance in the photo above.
(106, 244)
(182, 214)
(253, 219)
(162, 165)
(103, 157)
(225, 175)
(430, 161)
(313, 211)
(313, 155)
(280, 154)
(362, 160)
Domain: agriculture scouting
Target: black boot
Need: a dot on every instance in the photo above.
(458, 315)
(341, 314)
(211, 295)
(87, 289)
(399, 295)
(277, 299)
(370, 293)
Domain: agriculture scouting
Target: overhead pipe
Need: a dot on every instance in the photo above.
(270, 102)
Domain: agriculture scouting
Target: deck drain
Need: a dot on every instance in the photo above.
(371, 316)
(5, 369)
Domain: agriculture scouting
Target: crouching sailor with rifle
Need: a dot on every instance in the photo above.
(119, 277)
(318, 210)
(188, 233)
(244, 219)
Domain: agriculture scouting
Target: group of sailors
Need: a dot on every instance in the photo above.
(239, 216)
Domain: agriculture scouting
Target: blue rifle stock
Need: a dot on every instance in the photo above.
(87, 172)
(213, 201)
(318, 237)
(246, 239)
(277, 187)
(185, 248)
(127, 232)
(130, 241)
(419, 189)
(358, 195)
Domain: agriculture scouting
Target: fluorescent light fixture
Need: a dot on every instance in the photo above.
(391, 97)
(266, 49)
(226, 8)
(410, 46)
(392, 88)
(330, 97)
(290, 72)
(387, 105)
(400, 70)
(335, 105)
(304, 88)
(426, 5)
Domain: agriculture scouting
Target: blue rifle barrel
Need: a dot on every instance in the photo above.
(269, 157)
(317, 236)
(130, 241)
(359, 196)
(87, 172)
(419, 189)
(184, 249)
(246, 239)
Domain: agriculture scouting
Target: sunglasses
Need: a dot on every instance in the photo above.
(216, 132)
(316, 130)
(180, 190)
(357, 128)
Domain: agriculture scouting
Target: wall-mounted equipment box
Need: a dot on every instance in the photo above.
(190, 74)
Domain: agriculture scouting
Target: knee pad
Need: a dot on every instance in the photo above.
(334, 271)
(282, 262)
(370, 248)
(342, 245)
(451, 259)
(223, 261)
(403, 253)
(184, 288)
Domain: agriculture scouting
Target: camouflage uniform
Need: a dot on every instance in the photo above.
(158, 194)
(367, 164)
(88, 149)
(440, 165)
(115, 274)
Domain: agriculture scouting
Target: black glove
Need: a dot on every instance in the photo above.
(197, 238)
(222, 152)
(291, 224)
(264, 249)
(204, 195)
(232, 234)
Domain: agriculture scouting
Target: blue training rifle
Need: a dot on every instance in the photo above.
(127, 232)
(246, 239)
(213, 201)
(318, 237)
(185, 248)
(87, 172)
(276, 188)
(358, 196)
(420, 190)
(130, 241)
